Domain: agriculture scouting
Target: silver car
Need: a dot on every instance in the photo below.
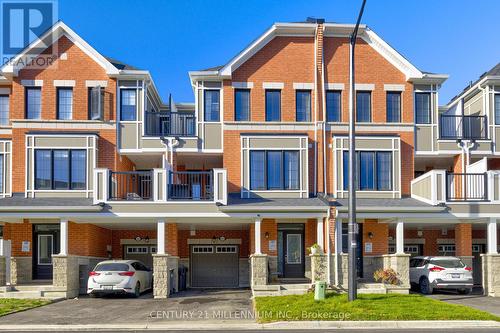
(429, 273)
(119, 276)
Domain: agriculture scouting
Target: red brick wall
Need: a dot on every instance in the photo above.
(117, 235)
(380, 242)
(17, 233)
(88, 240)
(463, 239)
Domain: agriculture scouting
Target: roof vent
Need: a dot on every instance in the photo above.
(315, 20)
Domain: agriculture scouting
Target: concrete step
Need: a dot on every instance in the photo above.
(293, 292)
(268, 287)
(370, 285)
(21, 294)
(295, 286)
(30, 287)
(372, 291)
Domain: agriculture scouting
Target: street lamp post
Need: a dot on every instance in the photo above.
(352, 230)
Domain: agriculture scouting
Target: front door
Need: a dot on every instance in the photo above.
(359, 247)
(293, 253)
(45, 244)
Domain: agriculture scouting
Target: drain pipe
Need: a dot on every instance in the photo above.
(323, 106)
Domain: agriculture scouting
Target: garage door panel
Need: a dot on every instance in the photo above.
(214, 266)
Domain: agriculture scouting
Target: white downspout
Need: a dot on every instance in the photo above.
(315, 190)
(325, 187)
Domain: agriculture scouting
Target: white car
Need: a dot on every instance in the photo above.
(429, 273)
(119, 276)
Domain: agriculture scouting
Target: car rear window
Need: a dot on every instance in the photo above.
(448, 263)
(112, 267)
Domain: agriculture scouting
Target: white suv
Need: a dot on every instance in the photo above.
(429, 273)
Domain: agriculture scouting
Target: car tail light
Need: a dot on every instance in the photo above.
(94, 274)
(126, 273)
(467, 268)
(437, 269)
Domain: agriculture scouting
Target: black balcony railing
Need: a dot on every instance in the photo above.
(457, 127)
(169, 124)
(190, 185)
(131, 185)
(466, 187)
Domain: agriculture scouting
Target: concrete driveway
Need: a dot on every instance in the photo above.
(476, 299)
(192, 305)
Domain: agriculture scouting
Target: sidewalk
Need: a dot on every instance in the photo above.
(295, 325)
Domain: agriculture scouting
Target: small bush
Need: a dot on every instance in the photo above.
(388, 276)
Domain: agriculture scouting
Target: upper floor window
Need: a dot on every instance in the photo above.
(96, 103)
(212, 105)
(2, 189)
(274, 170)
(60, 169)
(242, 104)
(4, 110)
(64, 103)
(303, 105)
(497, 109)
(393, 109)
(374, 171)
(33, 103)
(273, 105)
(128, 104)
(333, 106)
(423, 108)
(363, 106)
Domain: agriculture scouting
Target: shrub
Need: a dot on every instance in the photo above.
(388, 276)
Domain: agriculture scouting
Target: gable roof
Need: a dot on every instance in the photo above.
(58, 30)
(121, 65)
(330, 29)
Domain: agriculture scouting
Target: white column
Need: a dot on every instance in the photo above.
(338, 236)
(400, 238)
(257, 236)
(160, 237)
(63, 246)
(320, 233)
(492, 236)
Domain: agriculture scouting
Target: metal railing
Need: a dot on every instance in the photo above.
(466, 186)
(131, 185)
(169, 124)
(190, 185)
(455, 127)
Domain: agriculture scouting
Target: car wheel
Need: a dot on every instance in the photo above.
(137, 290)
(465, 291)
(425, 286)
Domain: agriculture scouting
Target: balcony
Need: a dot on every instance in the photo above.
(460, 127)
(155, 186)
(169, 124)
(439, 186)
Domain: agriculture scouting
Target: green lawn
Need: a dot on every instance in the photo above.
(366, 307)
(9, 305)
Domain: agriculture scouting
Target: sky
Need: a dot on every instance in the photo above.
(171, 37)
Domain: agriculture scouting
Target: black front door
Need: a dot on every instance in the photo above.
(291, 251)
(359, 248)
(45, 244)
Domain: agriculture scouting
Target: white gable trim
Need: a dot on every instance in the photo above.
(58, 30)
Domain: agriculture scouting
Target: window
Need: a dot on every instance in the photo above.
(393, 110)
(212, 105)
(1, 173)
(60, 169)
(423, 108)
(363, 107)
(333, 106)
(4, 110)
(497, 109)
(374, 172)
(128, 104)
(274, 170)
(273, 105)
(33, 103)
(303, 105)
(64, 103)
(242, 104)
(96, 103)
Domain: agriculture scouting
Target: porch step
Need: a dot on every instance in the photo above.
(302, 286)
(32, 291)
(371, 288)
(281, 289)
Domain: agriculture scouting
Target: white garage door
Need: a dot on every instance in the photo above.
(142, 253)
(214, 266)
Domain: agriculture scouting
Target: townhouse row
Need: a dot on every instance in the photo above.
(239, 185)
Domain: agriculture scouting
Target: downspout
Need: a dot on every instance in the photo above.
(315, 190)
(323, 106)
(328, 247)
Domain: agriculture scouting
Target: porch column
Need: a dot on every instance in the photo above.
(257, 236)
(492, 236)
(400, 238)
(320, 231)
(160, 238)
(63, 247)
(338, 236)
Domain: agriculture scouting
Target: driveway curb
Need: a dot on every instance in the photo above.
(294, 325)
